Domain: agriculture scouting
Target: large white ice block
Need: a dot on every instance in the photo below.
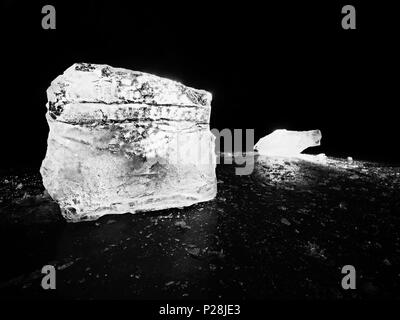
(125, 141)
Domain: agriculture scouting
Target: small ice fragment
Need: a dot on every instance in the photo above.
(284, 142)
(182, 224)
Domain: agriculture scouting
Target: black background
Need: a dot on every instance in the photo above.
(268, 64)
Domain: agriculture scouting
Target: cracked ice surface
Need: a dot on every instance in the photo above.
(125, 141)
(284, 142)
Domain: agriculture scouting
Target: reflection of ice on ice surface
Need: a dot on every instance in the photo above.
(319, 158)
(284, 142)
(303, 169)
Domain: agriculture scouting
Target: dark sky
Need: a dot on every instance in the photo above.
(287, 65)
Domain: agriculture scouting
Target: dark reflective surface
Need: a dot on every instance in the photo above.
(284, 231)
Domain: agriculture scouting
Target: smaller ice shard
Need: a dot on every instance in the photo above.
(284, 142)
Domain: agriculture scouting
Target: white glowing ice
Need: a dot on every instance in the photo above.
(125, 141)
(284, 142)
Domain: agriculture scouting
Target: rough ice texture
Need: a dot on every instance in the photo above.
(125, 141)
(284, 142)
